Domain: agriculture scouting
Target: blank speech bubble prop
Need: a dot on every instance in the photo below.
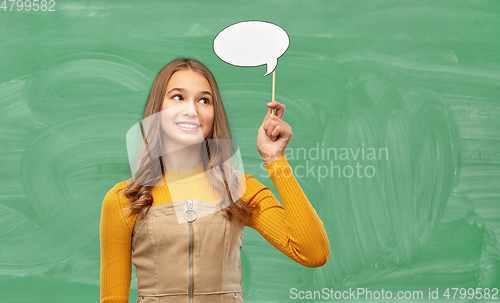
(252, 43)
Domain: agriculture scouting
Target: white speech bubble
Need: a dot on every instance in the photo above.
(252, 43)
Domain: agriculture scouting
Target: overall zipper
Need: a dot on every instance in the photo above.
(191, 262)
(190, 223)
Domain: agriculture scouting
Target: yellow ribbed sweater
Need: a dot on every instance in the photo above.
(294, 228)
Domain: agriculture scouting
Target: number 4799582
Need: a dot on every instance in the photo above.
(471, 293)
(28, 5)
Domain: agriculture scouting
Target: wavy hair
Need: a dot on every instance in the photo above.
(221, 173)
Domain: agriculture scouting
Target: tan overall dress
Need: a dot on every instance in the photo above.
(192, 259)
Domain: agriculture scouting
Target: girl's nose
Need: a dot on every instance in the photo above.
(190, 108)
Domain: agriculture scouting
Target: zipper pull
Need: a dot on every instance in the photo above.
(190, 209)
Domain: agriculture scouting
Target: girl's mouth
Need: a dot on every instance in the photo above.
(188, 127)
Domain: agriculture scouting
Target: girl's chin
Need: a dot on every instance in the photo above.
(185, 138)
(191, 141)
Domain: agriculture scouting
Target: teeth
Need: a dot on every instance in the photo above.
(187, 125)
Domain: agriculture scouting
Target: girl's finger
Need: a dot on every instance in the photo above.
(270, 129)
(267, 119)
(275, 133)
(280, 108)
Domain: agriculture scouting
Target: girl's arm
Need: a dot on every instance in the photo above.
(294, 228)
(116, 252)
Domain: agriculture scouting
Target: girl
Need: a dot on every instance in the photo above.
(185, 238)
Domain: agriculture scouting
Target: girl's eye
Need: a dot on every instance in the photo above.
(206, 100)
(177, 97)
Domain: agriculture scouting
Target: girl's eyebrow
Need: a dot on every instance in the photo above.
(183, 90)
(176, 88)
(206, 93)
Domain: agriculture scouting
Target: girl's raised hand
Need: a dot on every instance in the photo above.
(274, 133)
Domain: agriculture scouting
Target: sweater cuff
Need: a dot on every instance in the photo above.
(279, 168)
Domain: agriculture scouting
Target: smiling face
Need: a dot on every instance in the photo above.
(188, 111)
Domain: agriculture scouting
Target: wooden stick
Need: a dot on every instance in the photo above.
(274, 80)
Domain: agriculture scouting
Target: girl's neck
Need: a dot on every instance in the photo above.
(183, 159)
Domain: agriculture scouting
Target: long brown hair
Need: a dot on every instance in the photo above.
(220, 172)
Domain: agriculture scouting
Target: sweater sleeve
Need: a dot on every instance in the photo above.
(294, 228)
(115, 240)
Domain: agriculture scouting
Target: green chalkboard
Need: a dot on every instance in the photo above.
(395, 112)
